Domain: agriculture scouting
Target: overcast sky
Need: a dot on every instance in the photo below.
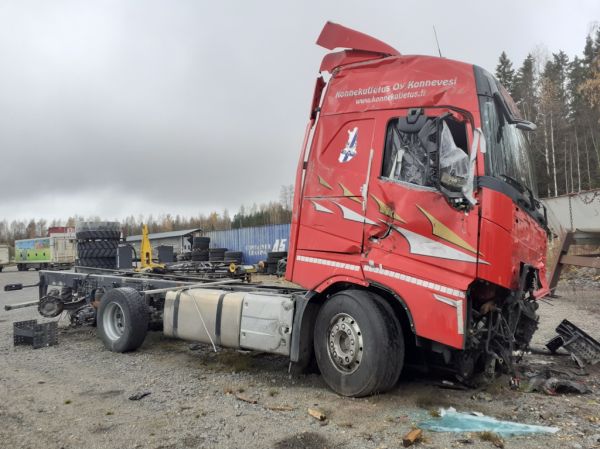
(114, 108)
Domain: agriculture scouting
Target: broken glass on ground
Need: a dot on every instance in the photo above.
(452, 421)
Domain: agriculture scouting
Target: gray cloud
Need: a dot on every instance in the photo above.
(114, 108)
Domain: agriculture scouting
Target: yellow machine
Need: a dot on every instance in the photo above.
(146, 261)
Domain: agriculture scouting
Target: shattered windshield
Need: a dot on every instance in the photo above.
(507, 151)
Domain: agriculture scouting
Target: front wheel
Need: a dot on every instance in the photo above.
(122, 319)
(359, 345)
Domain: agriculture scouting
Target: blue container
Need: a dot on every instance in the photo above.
(254, 243)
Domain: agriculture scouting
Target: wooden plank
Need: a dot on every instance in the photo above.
(411, 437)
(317, 414)
(581, 261)
(566, 239)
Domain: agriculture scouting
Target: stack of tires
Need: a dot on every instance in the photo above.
(216, 254)
(97, 243)
(200, 249)
(273, 259)
(233, 257)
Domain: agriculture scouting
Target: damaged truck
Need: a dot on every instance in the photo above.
(417, 236)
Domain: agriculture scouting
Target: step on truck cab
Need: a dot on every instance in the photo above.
(415, 220)
(417, 236)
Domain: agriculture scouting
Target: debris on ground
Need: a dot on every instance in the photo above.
(412, 437)
(245, 398)
(556, 385)
(279, 408)
(139, 395)
(453, 421)
(317, 414)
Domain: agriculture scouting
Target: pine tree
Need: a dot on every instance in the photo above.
(505, 72)
(524, 89)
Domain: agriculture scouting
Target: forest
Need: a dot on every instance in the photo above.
(561, 95)
(273, 212)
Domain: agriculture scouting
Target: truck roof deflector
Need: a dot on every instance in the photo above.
(362, 47)
(338, 36)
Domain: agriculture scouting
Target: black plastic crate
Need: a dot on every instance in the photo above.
(38, 335)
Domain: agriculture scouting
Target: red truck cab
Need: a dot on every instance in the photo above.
(416, 222)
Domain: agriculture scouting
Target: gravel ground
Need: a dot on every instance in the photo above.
(75, 395)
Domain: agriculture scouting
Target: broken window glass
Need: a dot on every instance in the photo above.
(408, 148)
(454, 162)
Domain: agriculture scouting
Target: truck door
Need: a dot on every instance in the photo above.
(415, 241)
(332, 211)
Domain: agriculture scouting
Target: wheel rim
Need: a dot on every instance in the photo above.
(114, 321)
(345, 343)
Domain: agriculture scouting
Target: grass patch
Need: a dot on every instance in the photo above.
(491, 437)
(273, 392)
(68, 401)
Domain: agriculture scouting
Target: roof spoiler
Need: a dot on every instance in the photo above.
(362, 47)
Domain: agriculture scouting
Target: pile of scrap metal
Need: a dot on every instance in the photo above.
(214, 270)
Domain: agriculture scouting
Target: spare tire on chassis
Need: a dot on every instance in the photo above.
(122, 319)
(358, 342)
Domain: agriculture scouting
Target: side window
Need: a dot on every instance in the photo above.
(410, 143)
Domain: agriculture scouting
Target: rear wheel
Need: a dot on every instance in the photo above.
(359, 344)
(123, 319)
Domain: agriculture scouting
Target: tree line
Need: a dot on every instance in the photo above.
(561, 95)
(273, 212)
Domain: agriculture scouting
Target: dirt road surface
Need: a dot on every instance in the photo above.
(76, 394)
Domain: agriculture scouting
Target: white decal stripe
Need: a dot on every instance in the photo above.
(349, 214)
(458, 305)
(414, 280)
(424, 246)
(329, 263)
(321, 208)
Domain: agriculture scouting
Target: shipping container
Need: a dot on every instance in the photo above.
(254, 242)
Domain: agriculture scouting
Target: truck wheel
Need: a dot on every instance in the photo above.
(92, 230)
(122, 319)
(1, 267)
(359, 344)
(97, 248)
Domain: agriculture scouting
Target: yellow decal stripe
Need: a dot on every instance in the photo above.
(349, 194)
(440, 230)
(325, 183)
(387, 210)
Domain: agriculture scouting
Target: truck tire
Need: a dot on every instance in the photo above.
(98, 230)
(1, 267)
(200, 242)
(216, 254)
(233, 257)
(359, 345)
(122, 319)
(99, 248)
(200, 255)
(22, 267)
(275, 256)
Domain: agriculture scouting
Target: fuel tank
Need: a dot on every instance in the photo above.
(248, 320)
